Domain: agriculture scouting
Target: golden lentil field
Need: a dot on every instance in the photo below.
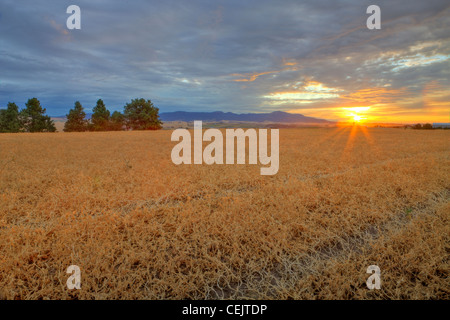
(140, 227)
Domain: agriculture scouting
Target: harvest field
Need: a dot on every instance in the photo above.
(140, 227)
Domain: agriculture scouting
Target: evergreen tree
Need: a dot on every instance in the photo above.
(3, 121)
(117, 121)
(76, 119)
(142, 115)
(100, 117)
(33, 118)
(9, 119)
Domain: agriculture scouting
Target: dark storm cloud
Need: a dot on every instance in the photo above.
(216, 55)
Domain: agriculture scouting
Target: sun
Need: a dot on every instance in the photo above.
(356, 114)
(356, 117)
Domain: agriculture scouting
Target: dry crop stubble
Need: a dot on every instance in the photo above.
(140, 227)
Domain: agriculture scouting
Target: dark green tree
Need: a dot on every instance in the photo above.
(417, 126)
(427, 126)
(9, 119)
(100, 117)
(117, 121)
(34, 119)
(76, 119)
(49, 124)
(142, 115)
(2, 120)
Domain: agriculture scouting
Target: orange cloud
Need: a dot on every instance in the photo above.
(59, 28)
(376, 95)
(249, 77)
(289, 62)
(436, 97)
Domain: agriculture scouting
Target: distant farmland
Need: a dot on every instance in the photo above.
(140, 227)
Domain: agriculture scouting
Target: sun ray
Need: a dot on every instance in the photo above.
(332, 135)
(374, 147)
(346, 152)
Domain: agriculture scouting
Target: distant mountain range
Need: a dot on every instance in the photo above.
(273, 117)
(217, 116)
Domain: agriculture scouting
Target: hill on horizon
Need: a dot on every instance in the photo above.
(217, 116)
(276, 117)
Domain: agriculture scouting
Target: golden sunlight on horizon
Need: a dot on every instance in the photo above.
(381, 105)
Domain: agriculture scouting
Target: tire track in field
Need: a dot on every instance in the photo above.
(309, 262)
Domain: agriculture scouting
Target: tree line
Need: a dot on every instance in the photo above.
(426, 126)
(30, 119)
(139, 114)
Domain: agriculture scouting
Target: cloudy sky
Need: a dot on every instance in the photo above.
(314, 57)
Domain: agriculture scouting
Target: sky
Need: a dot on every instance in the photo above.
(317, 58)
